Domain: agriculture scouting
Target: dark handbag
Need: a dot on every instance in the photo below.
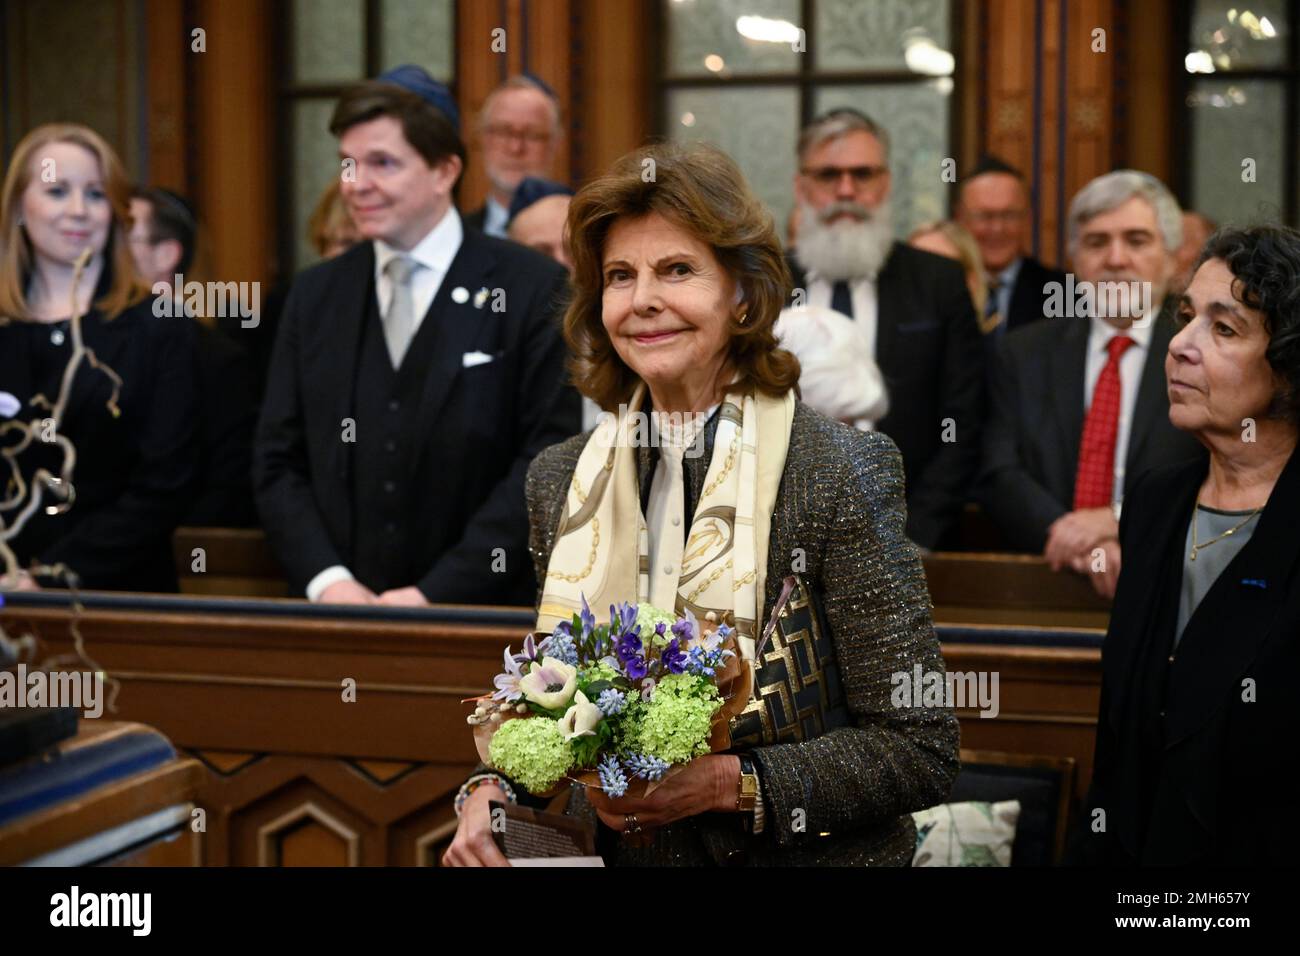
(798, 692)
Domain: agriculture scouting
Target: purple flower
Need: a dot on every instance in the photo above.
(646, 767)
(622, 619)
(612, 779)
(629, 645)
(588, 619)
(611, 702)
(507, 684)
(529, 651)
(635, 668)
(672, 658)
(684, 630)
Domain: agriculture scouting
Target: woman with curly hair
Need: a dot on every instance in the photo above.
(1198, 719)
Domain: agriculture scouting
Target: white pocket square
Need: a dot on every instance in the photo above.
(470, 359)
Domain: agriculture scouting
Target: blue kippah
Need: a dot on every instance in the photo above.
(419, 82)
(531, 189)
(541, 84)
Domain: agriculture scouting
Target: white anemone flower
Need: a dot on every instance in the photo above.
(581, 719)
(550, 684)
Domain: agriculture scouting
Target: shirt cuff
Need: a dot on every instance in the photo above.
(331, 575)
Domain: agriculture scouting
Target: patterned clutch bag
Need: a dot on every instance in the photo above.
(798, 693)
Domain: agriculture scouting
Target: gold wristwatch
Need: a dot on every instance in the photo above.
(747, 791)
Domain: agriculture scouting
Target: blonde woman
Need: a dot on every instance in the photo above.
(947, 238)
(65, 196)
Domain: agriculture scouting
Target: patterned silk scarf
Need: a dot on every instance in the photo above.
(602, 546)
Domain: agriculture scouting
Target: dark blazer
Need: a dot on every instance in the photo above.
(475, 218)
(929, 351)
(1028, 295)
(1192, 762)
(135, 471)
(485, 422)
(1031, 438)
(223, 497)
(841, 502)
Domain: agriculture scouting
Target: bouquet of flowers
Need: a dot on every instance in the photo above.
(618, 705)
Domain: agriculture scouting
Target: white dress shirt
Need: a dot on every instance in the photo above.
(666, 519)
(1130, 378)
(865, 304)
(433, 254)
(495, 218)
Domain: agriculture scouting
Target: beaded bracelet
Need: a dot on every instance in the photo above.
(473, 783)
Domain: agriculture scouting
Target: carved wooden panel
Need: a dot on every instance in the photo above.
(295, 775)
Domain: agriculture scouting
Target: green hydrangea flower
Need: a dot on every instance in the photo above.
(649, 616)
(595, 672)
(676, 723)
(531, 751)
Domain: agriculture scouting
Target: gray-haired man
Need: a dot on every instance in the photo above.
(1079, 408)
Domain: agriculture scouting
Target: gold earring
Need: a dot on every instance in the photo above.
(744, 318)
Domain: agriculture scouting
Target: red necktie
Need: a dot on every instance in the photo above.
(1095, 479)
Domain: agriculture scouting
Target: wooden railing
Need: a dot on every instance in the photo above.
(965, 587)
(337, 736)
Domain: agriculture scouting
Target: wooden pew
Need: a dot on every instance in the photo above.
(965, 587)
(301, 772)
(227, 561)
(983, 588)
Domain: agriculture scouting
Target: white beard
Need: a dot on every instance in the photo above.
(849, 249)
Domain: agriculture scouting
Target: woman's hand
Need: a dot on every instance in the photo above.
(473, 845)
(707, 783)
(22, 582)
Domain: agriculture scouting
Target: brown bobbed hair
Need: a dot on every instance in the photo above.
(428, 131)
(16, 253)
(700, 189)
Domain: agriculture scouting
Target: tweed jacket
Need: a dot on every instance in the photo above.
(843, 798)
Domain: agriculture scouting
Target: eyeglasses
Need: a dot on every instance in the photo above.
(529, 137)
(830, 176)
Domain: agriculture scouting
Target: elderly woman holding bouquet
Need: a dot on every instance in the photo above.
(743, 511)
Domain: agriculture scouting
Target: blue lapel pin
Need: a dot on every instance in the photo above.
(1255, 583)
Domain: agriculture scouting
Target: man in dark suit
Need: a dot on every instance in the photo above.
(164, 237)
(520, 131)
(912, 307)
(993, 204)
(414, 377)
(1078, 408)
